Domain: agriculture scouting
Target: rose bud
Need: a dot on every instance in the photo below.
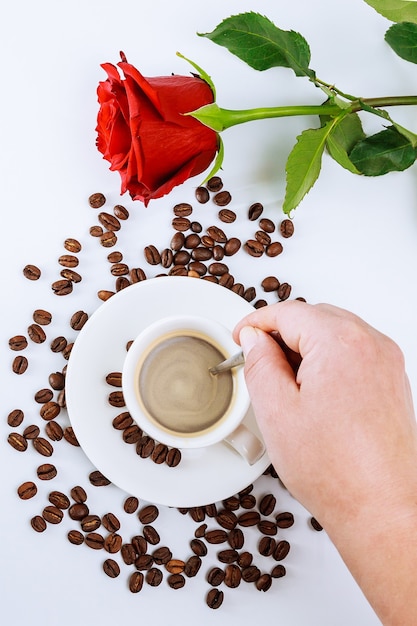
(144, 134)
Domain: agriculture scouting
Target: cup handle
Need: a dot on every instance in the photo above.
(246, 443)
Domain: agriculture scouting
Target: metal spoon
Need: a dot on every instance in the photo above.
(233, 361)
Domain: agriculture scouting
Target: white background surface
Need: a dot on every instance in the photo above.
(355, 246)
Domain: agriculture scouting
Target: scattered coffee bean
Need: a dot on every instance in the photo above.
(72, 245)
(136, 582)
(202, 195)
(18, 342)
(267, 527)
(58, 344)
(148, 514)
(263, 237)
(43, 395)
(315, 524)
(17, 441)
(274, 249)
(116, 399)
(62, 287)
(227, 216)
(113, 543)
(111, 522)
(52, 514)
(108, 239)
(183, 209)
(109, 222)
(78, 319)
(284, 291)
(46, 471)
(68, 260)
(145, 446)
(267, 546)
(50, 410)
(175, 566)
(232, 576)
(151, 535)
(75, 537)
(286, 228)
(214, 184)
(264, 582)
(144, 562)
(253, 247)
(152, 255)
(251, 518)
(96, 200)
(247, 501)
(140, 544)
(78, 511)
(32, 272)
(278, 571)
(285, 519)
(232, 246)
(267, 225)
(57, 382)
(70, 436)
(105, 294)
(31, 432)
(162, 555)
(36, 333)
(215, 576)
(214, 598)
(251, 574)
(38, 523)
(59, 499)
(43, 446)
(192, 566)
(173, 457)
(79, 495)
(181, 224)
(54, 431)
(128, 553)
(154, 577)
(217, 234)
(27, 490)
(111, 568)
(96, 231)
(222, 198)
(176, 581)
(15, 418)
(94, 540)
(281, 550)
(255, 211)
(270, 283)
(216, 536)
(97, 479)
(198, 547)
(20, 364)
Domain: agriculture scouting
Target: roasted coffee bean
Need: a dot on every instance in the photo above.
(57, 382)
(255, 211)
(267, 225)
(167, 257)
(52, 514)
(98, 479)
(116, 399)
(198, 267)
(281, 550)
(78, 511)
(42, 317)
(72, 245)
(128, 553)
(251, 574)
(62, 287)
(253, 247)
(108, 239)
(226, 280)
(122, 421)
(108, 221)
(121, 212)
(232, 246)
(177, 241)
(196, 227)
(284, 520)
(137, 275)
(145, 446)
(18, 342)
(131, 504)
(192, 566)
(122, 282)
(216, 536)
(284, 291)
(286, 228)
(154, 577)
(266, 527)
(239, 289)
(148, 514)
(198, 547)
(201, 254)
(176, 581)
(181, 224)
(75, 537)
(263, 237)
(246, 491)
(192, 241)
(31, 432)
(175, 566)
(215, 576)
(202, 195)
(181, 258)
(217, 234)
(251, 518)
(90, 523)
(111, 568)
(178, 270)
(38, 523)
(270, 283)
(79, 495)
(267, 504)
(249, 294)
(50, 410)
(227, 216)
(96, 200)
(211, 279)
(114, 379)
(94, 540)
(152, 255)
(15, 418)
(228, 556)
(61, 399)
(43, 446)
(20, 364)
(162, 555)
(218, 252)
(132, 434)
(140, 544)
(217, 269)
(197, 513)
(115, 257)
(278, 571)
(247, 501)
(315, 524)
(222, 198)
(58, 344)
(151, 535)
(113, 543)
(260, 303)
(183, 209)
(214, 598)
(136, 582)
(144, 562)
(71, 275)
(264, 582)
(78, 319)
(232, 576)
(32, 272)
(27, 490)
(66, 352)
(43, 395)
(211, 510)
(46, 471)
(207, 241)
(267, 546)
(54, 431)
(227, 519)
(214, 184)
(236, 539)
(173, 457)
(96, 231)
(274, 249)
(68, 260)
(59, 499)
(105, 294)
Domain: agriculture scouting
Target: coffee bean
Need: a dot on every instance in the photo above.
(148, 514)
(167, 257)
(232, 576)
(145, 446)
(154, 577)
(178, 270)
(281, 550)
(228, 556)
(251, 518)
(57, 382)
(222, 198)
(111, 568)
(263, 237)
(131, 504)
(96, 200)
(78, 319)
(58, 344)
(267, 504)
(136, 582)
(214, 184)
(114, 379)
(284, 291)
(43, 446)
(267, 546)
(249, 294)
(32, 272)
(105, 294)
(96, 231)
(46, 471)
(59, 499)
(177, 241)
(97, 479)
(18, 342)
(202, 195)
(246, 491)
(94, 540)
(315, 524)
(215, 576)
(152, 255)
(227, 519)
(162, 555)
(274, 249)
(72, 245)
(50, 410)
(198, 547)
(151, 535)
(144, 562)
(253, 247)
(79, 495)
(137, 275)
(75, 537)
(267, 225)
(227, 216)
(108, 221)
(115, 256)
(116, 399)
(113, 543)
(198, 513)
(183, 209)
(17, 441)
(110, 522)
(286, 228)
(175, 566)
(27, 490)
(232, 246)
(43, 395)
(90, 523)
(255, 211)
(78, 511)
(20, 364)
(260, 303)
(42, 317)
(196, 227)
(181, 224)
(264, 582)
(140, 544)
(226, 280)
(181, 258)
(67, 350)
(108, 239)
(284, 520)
(270, 283)
(207, 241)
(239, 289)
(121, 212)
(128, 553)
(121, 283)
(214, 598)
(217, 269)
(247, 501)
(192, 241)
(217, 234)
(192, 566)
(278, 571)
(15, 418)
(266, 527)
(68, 260)
(201, 254)
(236, 539)
(176, 581)
(122, 421)
(173, 457)
(54, 431)
(38, 523)
(52, 514)
(251, 574)
(216, 536)
(218, 252)
(62, 287)
(31, 432)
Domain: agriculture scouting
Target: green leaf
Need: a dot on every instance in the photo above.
(304, 164)
(262, 45)
(342, 139)
(396, 10)
(403, 40)
(387, 151)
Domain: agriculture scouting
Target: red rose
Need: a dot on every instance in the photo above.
(143, 134)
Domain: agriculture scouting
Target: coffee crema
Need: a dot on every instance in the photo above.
(175, 387)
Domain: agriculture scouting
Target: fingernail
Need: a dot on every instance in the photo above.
(248, 337)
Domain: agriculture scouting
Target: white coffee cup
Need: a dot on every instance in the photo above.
(171, 394)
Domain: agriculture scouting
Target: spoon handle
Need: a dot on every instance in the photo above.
(233, 361)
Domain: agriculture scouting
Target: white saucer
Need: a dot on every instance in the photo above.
(204, 476)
